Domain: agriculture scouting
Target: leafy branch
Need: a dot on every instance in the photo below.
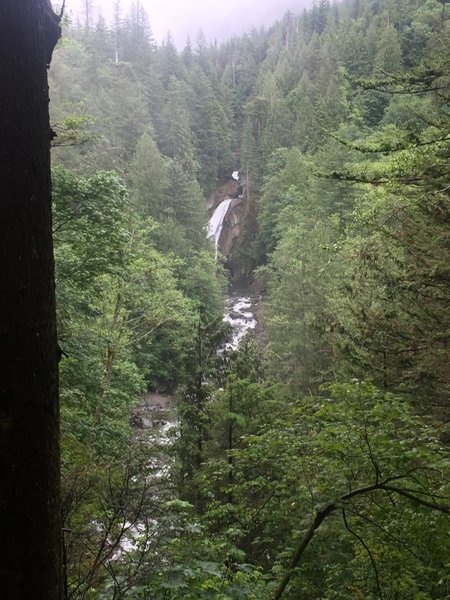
(340, 503)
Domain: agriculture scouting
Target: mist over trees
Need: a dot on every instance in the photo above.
(313, 461)
(218, 21)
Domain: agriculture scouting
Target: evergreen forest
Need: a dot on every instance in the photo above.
(312, 462)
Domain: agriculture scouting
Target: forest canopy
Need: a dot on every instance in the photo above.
(313, 461)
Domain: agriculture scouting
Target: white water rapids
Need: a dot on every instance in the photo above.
(241, 318)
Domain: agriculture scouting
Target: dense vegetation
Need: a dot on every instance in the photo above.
(314, 464)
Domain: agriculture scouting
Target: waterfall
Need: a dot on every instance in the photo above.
(215, 225)
(239, 310)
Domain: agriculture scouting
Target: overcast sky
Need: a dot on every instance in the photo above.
(217, 19)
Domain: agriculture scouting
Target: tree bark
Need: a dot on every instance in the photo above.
(30, 518)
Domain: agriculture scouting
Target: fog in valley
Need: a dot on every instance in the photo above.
(218, 20)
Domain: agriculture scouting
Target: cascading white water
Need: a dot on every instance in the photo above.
(240, 316)
(239, 309)
(215, 225)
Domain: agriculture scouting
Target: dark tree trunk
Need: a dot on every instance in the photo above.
(30, 522)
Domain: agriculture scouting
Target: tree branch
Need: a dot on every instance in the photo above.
(367, 549)
(331, 507)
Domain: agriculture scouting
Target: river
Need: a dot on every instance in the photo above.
(154, 418)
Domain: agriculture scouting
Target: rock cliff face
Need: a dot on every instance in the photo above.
(231, 228)
(227, 190)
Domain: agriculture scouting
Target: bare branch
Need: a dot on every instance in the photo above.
(367, 549)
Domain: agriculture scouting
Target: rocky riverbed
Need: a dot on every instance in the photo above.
(153, 412)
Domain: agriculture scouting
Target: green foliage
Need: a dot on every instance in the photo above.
(389, 55)
(115, 292)
(375, 303)
(206, 336)
(149, 178)
(302, 274)
(327, 447)
(274, 485)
